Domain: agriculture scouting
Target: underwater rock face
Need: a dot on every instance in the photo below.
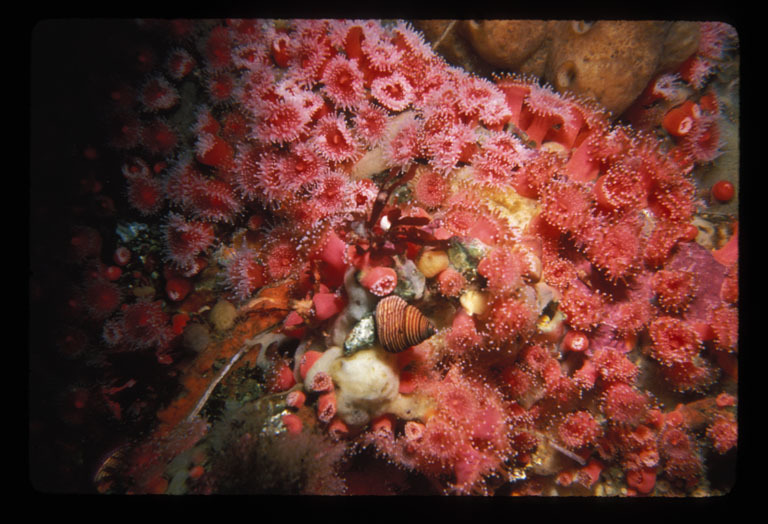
(611, 61)
(325, 241)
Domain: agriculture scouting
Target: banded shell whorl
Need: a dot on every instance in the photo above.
(400, 325)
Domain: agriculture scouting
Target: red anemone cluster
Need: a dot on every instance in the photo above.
(325, 156)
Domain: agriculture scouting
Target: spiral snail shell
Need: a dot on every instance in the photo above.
(400, 325)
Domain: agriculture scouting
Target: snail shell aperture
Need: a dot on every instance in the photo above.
(400, 325)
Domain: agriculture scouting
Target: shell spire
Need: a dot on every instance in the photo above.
(400, 325)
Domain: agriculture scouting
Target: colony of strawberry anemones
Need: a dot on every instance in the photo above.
(298, 172)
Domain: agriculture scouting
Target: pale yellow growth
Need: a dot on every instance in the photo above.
(367, 385)
(223, 315)
(474, 302)
(506, 203)
(431, 263)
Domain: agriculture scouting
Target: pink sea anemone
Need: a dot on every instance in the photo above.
(582, 308)
(406, 145)
(431, 189)
(146, 194)
(158, 94)
(449, 145)
(623, 404)
(281, 121)
(370, 123)
(497, 158)
(725, 326)
(674, 341)
(723, 433)
(565, 206)
(145, 325)
(578, 429)
(674, 290)
(159, 137)
(101, 298)
(245, 274)
(215, 200)
(333, 140)
(185, 239)
(503, 268)
(343, 82)
(393, 91)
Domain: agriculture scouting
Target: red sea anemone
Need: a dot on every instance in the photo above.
(281, 259)
(663, 239)
(507, 319)
(616, 249)
(566, 206)
(582, 308)
(146, 194)
(674, 290)
(159, 137)
(185, 239)
(333, 139)
(101, 298)
(725, 326)
(245, 274)
(343, 82)
(674, 341)
(623, 404)
(450, 282)
(146, 325)
(702, 142)
(723, 433)
(723, 191)
(393, 91)
(370, 124)
(578, 429)
(632, 316)
(158, 94)
(503, 268)
(431, 189)
(281, 121)
(679, 455)
(380, 281)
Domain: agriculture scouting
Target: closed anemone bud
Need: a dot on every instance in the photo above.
(679, 120)
(414, 431)
(382, 426)
(338, 428)
(326, 407)
(575, 341)
(321, 382)
(381, 281)
(292, 423)
(295, 399)
(122, 256)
